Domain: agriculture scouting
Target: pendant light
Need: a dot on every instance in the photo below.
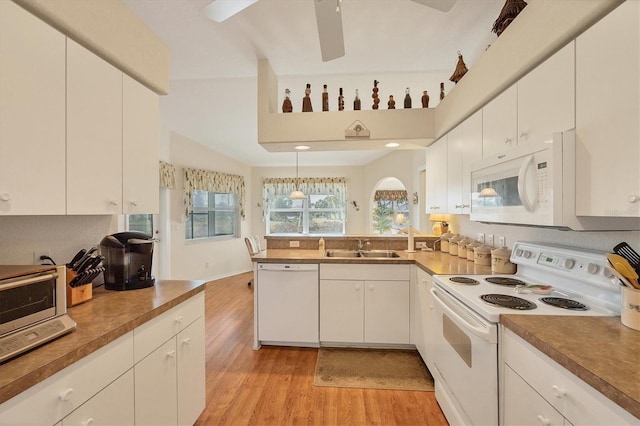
(297, 194)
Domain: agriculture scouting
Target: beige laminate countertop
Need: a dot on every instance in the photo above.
(435, 263)
(599, 350)
(101, 320)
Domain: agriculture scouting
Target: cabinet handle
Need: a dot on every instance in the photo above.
(186, 341)
(5, 196)
(171, 354)
(134, 203)
(65, 395)
(461, 206)
(507, 141)
(371, 287)
(113, 202)
(524, 136)
(88, 421)
(632, 198)
(558, 391)
(357, 287)
(179, 319)
(543, 420)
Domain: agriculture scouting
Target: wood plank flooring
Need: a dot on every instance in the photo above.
(274, 385)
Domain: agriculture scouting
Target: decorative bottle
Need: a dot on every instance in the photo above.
(425, 99)
(286, 104)
(392, 103)
(407, 99)
(441, 91)
(306, 101)
(340, 101)
(374, 95)
(356, 102)
(325, 98)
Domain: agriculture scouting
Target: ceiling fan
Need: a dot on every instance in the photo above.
(328, 17)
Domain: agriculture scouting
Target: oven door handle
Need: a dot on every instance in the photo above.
(27, 281)
(481, 329)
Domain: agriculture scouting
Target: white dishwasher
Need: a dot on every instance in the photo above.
(287, 304)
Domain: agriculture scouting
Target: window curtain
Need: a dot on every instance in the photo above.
(390, 195)
(167, 175)
(207, 180)
(284, 186)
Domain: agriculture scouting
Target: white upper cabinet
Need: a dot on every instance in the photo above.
(464, 147)
(32, 115)
(499, 121)
(140, 123)
(607, 115)
(94, 133)
(546, 98)
(436, 176)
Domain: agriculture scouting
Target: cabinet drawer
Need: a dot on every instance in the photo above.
(523, 406)
(52, 399)
(332, 271)
(152, 334)
(573, 398)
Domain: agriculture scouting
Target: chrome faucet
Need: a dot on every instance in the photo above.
(362, 243)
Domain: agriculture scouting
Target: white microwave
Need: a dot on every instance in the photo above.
(534, 185)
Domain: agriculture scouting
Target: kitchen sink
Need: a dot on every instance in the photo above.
(361, 253)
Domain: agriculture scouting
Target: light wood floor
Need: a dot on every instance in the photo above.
(274, 385)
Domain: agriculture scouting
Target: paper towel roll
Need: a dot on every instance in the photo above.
(411, 245)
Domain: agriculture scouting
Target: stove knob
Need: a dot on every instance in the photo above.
(607, 273)
(592, 268)
(526, 254)
(518, 252)
(568, 263)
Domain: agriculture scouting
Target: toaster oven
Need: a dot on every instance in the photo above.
(33, 307)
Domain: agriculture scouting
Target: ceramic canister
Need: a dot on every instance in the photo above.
(482, 256)
(462, 247)
(630, 312)
(471, 247)
(453, 244)
(444, 241)
(500, 261)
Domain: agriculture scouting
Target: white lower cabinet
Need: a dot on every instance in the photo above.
(112, 406)
(537, 390)
(426, 314)
(374, 309)
(112, 387)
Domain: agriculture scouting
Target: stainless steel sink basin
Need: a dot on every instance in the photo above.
(361, 253)
(379, 253)
(342, 253)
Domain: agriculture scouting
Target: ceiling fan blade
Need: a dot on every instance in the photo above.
(329, 29)
(220, 10)
(441, 5)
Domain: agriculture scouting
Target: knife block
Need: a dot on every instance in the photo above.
(77, 295)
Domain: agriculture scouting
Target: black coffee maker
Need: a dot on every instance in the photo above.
(127, 263)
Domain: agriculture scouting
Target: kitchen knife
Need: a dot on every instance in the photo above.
(83, 258)
(84, 264)
(77, 257)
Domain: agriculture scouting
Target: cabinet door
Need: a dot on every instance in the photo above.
(156, 387)
(341, 311)
(94, 134)
(32, 115)
(471, 147)
(111, 406)
(428, 316)
(607, 111)
(524, 406)
(191, 373)
(140, 189)
(386, 312)
(499, 121)
(546, 98)
(454, 170)
(436, 175)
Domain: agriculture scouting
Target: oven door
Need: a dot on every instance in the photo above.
(466, 359)
(27, 300)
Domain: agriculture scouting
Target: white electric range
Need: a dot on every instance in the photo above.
(550, 280)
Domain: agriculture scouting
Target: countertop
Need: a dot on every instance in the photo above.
(101, 320)
(433, 262)
(599, 350)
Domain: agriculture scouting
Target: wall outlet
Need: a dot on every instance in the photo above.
(502, 241)
(480, 237)
(38, 253)
(294, 243)
(421, 245)
(489, 240)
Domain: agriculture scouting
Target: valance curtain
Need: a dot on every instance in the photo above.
(207, 180)
(390, 195)
(284, 186)
(167, 175)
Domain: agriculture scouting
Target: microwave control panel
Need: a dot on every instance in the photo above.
(542, 178)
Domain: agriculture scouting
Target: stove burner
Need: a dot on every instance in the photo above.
(464, 280)
(560, 302)
(504, 281)
(506, 301)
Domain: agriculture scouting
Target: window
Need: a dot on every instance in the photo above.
(140, 223)
(390, 211)
(214, 214)
(323, 212)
